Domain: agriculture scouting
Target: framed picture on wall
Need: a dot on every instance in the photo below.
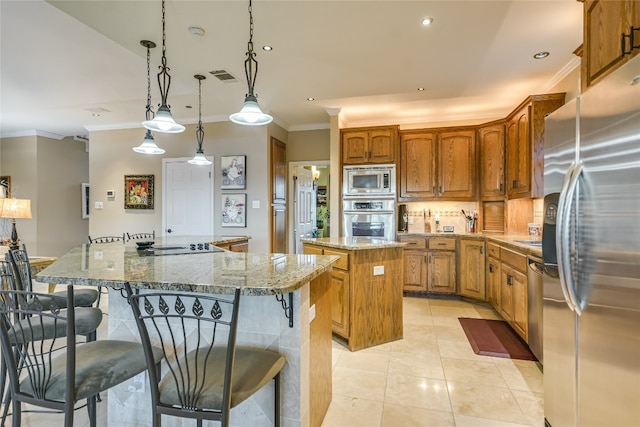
(233, 172)
(85, 200)
(138, 191)
(5, 186)
(234, 212)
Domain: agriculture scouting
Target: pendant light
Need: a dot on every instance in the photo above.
(251, 114)
(199, 158)
(148, 145)
(163, 120)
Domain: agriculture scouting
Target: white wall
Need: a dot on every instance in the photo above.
(111, 158)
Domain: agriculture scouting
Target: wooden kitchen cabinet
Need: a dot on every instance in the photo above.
(525, 145)
(491, 142)
(429, 264)
(366, 306)
(369, 145)
(607, 37)
(242, 246)
(513, 290)
(493, 276)
(472, 269)
(438, 165)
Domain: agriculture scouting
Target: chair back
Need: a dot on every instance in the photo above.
(19, 260)
(141, 236)
(189, 327)
(31, 335)
(107, 239)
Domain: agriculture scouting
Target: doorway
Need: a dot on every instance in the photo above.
(187, 194)
(310, 194)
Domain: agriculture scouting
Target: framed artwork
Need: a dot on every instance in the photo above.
(5, 186)
(85, 200)
(234, 212)
(138, 191)
(233, 172)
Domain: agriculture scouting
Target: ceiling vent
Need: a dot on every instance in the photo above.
(224, 76)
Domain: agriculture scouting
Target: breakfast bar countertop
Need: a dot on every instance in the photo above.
(114, 264)
(353, 243)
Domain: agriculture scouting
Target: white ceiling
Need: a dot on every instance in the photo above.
(62, 59)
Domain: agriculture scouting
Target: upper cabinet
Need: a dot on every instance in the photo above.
(611, 37)
(491, 146)
(438, 165)
(525, 145)
(369, 145)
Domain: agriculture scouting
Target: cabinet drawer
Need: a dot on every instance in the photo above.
(493, 250)
(343, 262)
(514, 259)
(442, 243)
(414, 242)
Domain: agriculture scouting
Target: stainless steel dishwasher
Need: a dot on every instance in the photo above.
(534, 297)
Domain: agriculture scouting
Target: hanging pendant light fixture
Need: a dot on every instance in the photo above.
(163, 120)
(199, 158)
(251, 114)
(148, 145)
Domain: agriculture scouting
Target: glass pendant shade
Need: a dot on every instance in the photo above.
(148, 145)
(199, 159)
(163, 122)
(251, 114)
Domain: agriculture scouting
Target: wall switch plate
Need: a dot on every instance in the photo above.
(255, 204)
(447, 228)
(99, 205)
(378, 270)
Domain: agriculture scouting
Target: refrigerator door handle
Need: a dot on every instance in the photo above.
(566, 254)
(562, 236)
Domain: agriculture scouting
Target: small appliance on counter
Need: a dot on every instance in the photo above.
(403, 218)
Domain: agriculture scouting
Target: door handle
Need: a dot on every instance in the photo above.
(169, 230)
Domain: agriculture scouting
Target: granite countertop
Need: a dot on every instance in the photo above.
(353, 243)
(113, 264)
(510, 240)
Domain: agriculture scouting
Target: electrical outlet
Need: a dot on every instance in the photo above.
(312, 313)
(378, 270)
(137, 383)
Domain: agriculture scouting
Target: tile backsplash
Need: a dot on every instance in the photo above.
(422, 216)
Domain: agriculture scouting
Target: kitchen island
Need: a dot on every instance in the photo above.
(366, 288)
(285, 307)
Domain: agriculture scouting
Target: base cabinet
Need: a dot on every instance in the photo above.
(493, 282)
(429, 264)
(472, 269)
(513, 290)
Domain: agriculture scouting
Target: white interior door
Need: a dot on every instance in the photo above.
(188, 198)
(305, 206)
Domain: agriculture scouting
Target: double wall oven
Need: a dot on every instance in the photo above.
(368, 201)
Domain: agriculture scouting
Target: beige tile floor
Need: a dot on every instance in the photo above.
(430, 378)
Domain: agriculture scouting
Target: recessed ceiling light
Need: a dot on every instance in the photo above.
(310, 98)
(541, 55)
(267, 47)
(420, 89)
(427, 21)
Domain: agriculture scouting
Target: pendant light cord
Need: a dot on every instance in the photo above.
(149, 111)
(164, 79)
(251, 61)
(199, 131)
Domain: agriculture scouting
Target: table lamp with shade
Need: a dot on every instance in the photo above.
(15, 209)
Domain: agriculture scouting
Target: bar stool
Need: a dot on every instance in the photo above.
(206, 374)
(57, 378)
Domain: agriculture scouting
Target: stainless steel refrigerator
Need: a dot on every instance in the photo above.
(591, 253)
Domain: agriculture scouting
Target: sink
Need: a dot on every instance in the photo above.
(530, 242)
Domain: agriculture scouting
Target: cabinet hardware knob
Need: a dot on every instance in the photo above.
(481, 250)
(490, 268)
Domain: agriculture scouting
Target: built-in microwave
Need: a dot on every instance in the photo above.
(369, 181)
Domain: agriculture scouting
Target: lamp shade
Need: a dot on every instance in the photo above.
(251, 114)
(199, 159)
(15, 208)
(148, 145)
(163, 122)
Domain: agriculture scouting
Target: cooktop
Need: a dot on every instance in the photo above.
(190, 248)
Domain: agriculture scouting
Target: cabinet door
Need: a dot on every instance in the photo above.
(415, 270)
(382, 146)
(520, 307)
(492, 161)
(340, 302)
(493, 282)
(355, 145)
(278, 171)
(279, 229)
(457, 165)
(472, 263)
(312, 250)
(417, 165)
(442, 271)
(519, 155)
(239, 247)
(506, 292)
